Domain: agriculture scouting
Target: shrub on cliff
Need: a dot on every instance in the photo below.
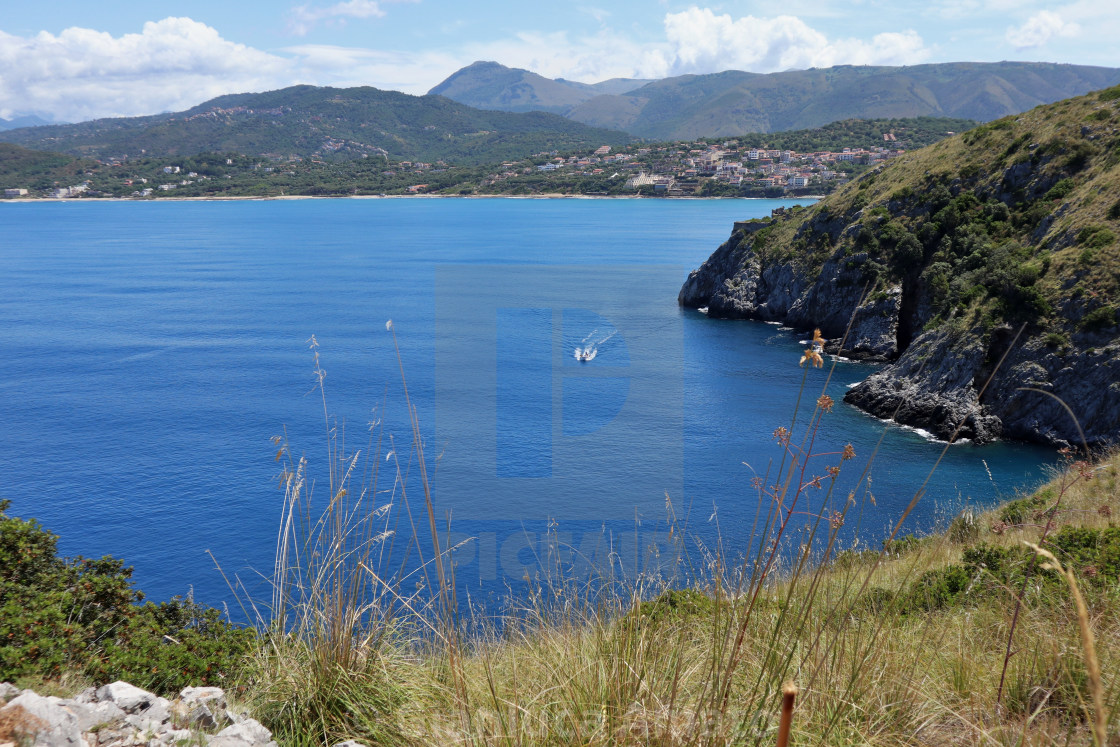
(82, 616)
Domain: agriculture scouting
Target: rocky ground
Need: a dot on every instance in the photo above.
(121, 715)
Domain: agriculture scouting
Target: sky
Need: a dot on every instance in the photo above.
(72, 60)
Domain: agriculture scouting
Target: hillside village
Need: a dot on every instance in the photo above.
(694, 168)
(682, 169)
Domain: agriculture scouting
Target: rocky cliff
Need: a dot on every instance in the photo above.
(985, 270)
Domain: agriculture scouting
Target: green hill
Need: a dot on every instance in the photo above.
(38, 170)
(331, 123)
(230, 174)
(1000, 241)
(733, 103)
(908, 134)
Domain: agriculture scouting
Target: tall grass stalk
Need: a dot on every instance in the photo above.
(1092, 663)
(700, 655)
(1065, 485)
(340, 623)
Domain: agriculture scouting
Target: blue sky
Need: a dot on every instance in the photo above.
(74, 60)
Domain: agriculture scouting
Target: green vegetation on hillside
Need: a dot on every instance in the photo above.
(327, 123)
(733, 103)
(26, 164)
(909, 134)
(1015, 220)
(79, 618)
(231, 174)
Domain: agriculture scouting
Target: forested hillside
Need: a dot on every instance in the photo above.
(326, 123)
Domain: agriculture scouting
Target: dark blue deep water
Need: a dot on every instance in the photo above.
(150, 351)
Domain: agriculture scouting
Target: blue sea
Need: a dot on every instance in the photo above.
(153, 349)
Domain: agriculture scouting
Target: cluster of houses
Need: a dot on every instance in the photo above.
(58, 193)
(218, 112)
(65, 192)
(772, 168)
(682, 168)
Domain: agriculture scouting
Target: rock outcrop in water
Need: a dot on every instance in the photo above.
(985, 270)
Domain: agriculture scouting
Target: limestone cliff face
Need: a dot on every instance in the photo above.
(934, 385)
(735, 283)
(956, 379)
(949, 377)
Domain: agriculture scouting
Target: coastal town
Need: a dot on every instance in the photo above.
(689, 169)
(813, 162)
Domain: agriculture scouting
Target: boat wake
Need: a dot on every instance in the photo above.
(590, 347)
(586, 354)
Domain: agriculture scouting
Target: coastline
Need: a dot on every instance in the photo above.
(231, 198)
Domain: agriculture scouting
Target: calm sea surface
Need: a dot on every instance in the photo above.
(152, 349)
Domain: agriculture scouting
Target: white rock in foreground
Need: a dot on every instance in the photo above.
(122, 715)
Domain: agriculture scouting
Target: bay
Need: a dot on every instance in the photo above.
(152, 349)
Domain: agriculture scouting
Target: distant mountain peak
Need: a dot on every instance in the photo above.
(28, 120)
(491, 85)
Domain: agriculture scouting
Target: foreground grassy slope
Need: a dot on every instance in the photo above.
(907, 644)
(904, 645)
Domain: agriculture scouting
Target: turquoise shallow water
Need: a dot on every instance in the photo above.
(152, 349)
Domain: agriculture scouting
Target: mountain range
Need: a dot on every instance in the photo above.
(488, 113)
(490, 85)
(735, 103)
(328, 123)
(29, 120)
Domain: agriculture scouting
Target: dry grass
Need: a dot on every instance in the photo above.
(18, 727)
(599, 662)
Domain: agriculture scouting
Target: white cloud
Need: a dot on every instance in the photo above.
(699, 41)
(171, 64)
(556, 55)
(1039, 29)
(696, 41)
(177, 63)
(411, 72)
(599, 14)
(303, 18)
(954, 10)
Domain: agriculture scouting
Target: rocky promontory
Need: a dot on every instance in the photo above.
(983, 270)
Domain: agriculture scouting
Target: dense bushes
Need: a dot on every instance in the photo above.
(987, 572)
(1100, 318)
(967, 251)
(81, 616)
